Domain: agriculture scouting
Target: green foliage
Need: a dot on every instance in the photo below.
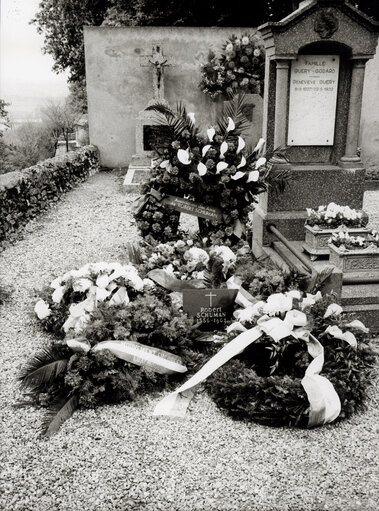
(24, 195)
(61, 411)
(61, 23)
(44, 368)
(262, 280)
(229, 188)
(61, 379)
(27, 144)
(263, 384)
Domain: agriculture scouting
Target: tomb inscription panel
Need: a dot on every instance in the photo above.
(313, 100)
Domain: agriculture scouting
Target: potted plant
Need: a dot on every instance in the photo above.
(355, 253)
(326, 220)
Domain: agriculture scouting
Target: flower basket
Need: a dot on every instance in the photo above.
(317, 238)
(364, 260)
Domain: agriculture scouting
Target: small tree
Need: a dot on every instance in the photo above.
(60, 118)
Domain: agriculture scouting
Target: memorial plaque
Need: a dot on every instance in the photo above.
(211, 307)
(313, 100)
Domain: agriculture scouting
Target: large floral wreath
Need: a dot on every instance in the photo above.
(215, 170)
(291, 360)
(121, 336)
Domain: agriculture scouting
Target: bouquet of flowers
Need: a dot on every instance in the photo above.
(215, 170)
(333, 215)
(345, 241)
(240, 68)
(190, 260)
(66, 306)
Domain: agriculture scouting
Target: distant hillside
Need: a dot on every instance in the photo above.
(27, 108)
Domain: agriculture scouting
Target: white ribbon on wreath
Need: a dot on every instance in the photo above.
(324, 402)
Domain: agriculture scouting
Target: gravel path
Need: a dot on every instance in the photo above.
(122, 458)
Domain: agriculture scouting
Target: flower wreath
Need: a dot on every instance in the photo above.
(214, 171)
(240, 68)
(265, 375)
(272, 382)
(123, 336)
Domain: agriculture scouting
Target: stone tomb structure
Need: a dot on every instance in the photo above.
(315, 67)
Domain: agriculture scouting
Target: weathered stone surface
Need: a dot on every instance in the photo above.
(358, 261)
(310, 186)
(368, 314)
(360, 294)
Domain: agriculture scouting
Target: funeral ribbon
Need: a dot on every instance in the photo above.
(156, 359)
(324, 401)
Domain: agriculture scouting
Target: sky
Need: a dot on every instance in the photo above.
(26, 76)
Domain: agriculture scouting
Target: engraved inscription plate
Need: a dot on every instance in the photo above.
(313, 99)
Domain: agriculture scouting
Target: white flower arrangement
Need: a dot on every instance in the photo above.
(343, 240)
(226, 254)
(102, 282)
(294, 315)
(333, 214)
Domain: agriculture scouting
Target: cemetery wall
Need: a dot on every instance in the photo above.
(25, 194)
(369, 136)
(118, 87)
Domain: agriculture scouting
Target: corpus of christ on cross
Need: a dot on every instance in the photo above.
(158, 61)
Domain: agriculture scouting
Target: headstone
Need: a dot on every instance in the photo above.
(315, 66)
(81, 131)
(148, 123)
(212, 308)
(315, 63)
(313, 100)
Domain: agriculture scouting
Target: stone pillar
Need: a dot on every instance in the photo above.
(281, 102)
(355, 104)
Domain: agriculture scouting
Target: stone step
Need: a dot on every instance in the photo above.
(134, 177)
(360, 294)
(368, 314)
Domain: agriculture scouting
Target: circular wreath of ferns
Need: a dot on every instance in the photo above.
(263, 384)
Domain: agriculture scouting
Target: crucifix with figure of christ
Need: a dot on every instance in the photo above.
(159, 62)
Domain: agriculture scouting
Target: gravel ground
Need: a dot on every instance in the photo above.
(122, 458)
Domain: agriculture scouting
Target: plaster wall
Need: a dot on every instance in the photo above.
(118, 87)
(369, 134)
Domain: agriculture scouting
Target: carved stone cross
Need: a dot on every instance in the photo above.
(158, 61)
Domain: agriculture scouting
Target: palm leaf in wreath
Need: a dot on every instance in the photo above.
(134, 253)
(44, 367)
(58, 413)
(235, 109)
(177, 119)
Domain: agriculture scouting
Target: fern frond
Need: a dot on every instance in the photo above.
(58, 414)
(44, 367)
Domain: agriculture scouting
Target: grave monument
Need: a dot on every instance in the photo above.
(315, 65)
(148, 122)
